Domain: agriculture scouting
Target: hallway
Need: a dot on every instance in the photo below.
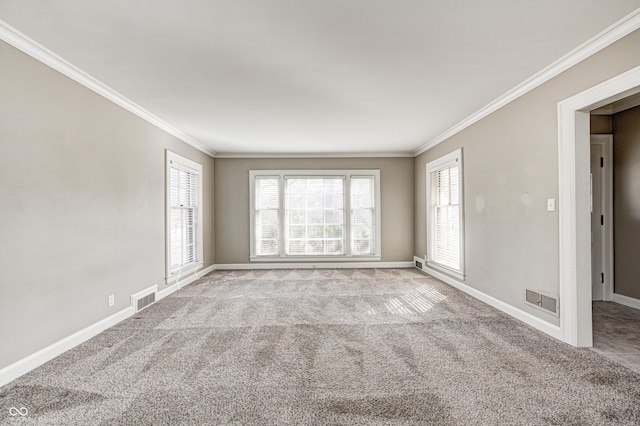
(616, 333)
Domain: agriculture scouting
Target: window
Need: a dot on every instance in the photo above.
(184, 215)
(445, 238)
(324, 214)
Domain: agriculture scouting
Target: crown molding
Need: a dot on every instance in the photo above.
(317, 155)
(34, 49)
(610, 35)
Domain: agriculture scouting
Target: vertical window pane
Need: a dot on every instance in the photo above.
(267, 202)
(362, 215)
(314, 216)
(445, 202)
(183, 217)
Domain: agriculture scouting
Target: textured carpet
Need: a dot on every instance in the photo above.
(338, 346)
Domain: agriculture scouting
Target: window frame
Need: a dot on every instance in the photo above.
(436, 165)
(347, 175)
(173, 160)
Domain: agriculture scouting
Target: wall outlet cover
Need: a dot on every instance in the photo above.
(551, 205)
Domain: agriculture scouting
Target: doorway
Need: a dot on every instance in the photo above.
(615, 314)
(576, 326)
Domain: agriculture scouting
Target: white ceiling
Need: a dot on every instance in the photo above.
(293, 76)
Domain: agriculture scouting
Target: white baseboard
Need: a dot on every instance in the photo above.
(309, 265)
(27, 364)
(626, 300)
(23, 366)
(180, 283)
(527, 318)
(168, 290)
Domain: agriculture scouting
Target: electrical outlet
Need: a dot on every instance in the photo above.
(112, 300)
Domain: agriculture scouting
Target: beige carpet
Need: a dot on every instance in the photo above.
(316, 347)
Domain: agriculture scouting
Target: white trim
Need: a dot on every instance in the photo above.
(179, 162)
(188, 279)
(23, 366)
(309, 265)
(347, 175)
(444, 270)
(454, 157)
(168, 290)
(307, 259)
(35, 360)
(610, 35)
(37, 51)
(574, 202)
(317, 155)
(187, 272)
(621, 105)
(143, 293)
(527, 318)
(626, 300)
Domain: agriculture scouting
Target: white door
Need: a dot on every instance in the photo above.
(597, 222)
(602, 273)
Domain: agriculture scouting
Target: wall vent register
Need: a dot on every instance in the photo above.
(542, 301)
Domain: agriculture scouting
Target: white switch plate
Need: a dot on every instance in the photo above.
(112, 300)
(551, 205)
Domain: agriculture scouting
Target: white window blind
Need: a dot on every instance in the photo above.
(267, 212)
(328, 213)
(445, 238)
(446, 210)
(183, 215)
(362, 215)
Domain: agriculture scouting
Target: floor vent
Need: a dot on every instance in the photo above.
(542, 301)
(418, 264)
(144, 298)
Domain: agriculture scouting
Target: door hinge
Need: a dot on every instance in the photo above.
(601, 277)
(601, 162)
(601, 219)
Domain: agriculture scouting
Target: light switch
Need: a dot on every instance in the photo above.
(551, 205)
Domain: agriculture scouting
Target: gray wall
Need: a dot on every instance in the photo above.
(232, 202)
(511, 168)
(601, 125)
(82, 213)
(626, 201)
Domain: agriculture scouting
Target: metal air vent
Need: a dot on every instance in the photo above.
(542, 301)
(144, 298)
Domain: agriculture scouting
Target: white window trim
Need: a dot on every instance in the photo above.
(444, 161)
(347, 174)
(196, 168)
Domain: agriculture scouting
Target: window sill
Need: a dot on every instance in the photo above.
(189, 270)
(451, 272)
(315, 258)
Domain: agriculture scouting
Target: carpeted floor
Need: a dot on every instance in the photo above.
(316, 347)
